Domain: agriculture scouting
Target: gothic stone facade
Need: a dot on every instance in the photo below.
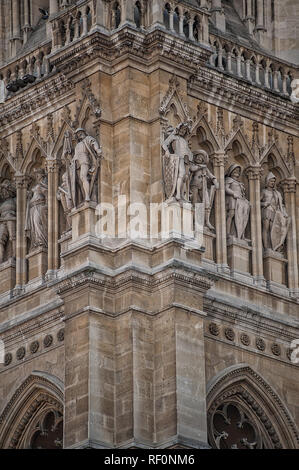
(148, 342)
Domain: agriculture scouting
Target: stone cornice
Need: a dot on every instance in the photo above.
(34, 99)
(249, 101)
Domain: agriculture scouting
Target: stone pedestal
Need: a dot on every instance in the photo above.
(37, 263)
(84, 221)
(64, 242)
(238, 254)
(275, 268)
(209, 244)
(7, 275)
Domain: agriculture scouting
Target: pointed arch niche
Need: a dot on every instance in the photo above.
(245, 412)
(33, 416)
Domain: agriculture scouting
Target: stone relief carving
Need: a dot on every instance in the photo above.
(237, 206)
(36, 226)
(83, 164)
(8, 210)
(176, 162)
(64, 195)
(295, 91)
(275, 219)
(199, 185)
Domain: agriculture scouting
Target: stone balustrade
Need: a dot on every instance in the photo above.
(188, 22)
(72, 23)
(254, 67)
(24, 71)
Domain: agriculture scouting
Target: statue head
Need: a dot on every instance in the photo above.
(7, 189)
(39, 174)
(80, 133)
(234, 171)
(183, 129)
(201, 157)
(270, 180)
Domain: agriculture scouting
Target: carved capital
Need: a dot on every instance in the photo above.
(219, 159)
(289, 185)
(52, 166)
(22, 181)
(254, 173)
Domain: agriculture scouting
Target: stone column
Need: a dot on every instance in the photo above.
(254, 177)
(275, 81)
(257, 74)
(52, 168)
(21, 242)
(101, 14)
(218, 15)
(26, 27)
(53, 7)
(239, 68)
(220, 216)
(85, 26)
(220, 58)
(127, 12)
(229, 62)
(181, 25)
(171, 13)
(248, 71)
(260, 15)
(16, 29)
(190, 25)
(157, 9)
(289, 189)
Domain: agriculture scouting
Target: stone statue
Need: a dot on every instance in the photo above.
(199, 186)
(176, 162)
(275, 219)
(8, 210)
(237, 206)
(84, 166)
(36, 226)
(65, 197)
(295, 91)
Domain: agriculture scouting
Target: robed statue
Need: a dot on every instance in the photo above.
(275, 219)
(237, 206)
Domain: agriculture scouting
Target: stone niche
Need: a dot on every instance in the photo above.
(7, 276)
(275, 268)
(239, 256)
(37, 263)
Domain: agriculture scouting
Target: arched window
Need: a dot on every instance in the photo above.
(137, 14)
(245, 412)
(176, 20)
(89, 18)
(48, 433)
(116, 15)
(166, 15)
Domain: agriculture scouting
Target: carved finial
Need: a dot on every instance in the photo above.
(50, 129)
(237, 123)
(19, 146)
(291, 154)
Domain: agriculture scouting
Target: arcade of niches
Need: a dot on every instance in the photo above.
(151, 343)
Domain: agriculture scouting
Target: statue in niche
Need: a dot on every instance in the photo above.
(83, 166)
(199, 185)
(36, 227)
(275, 219)
(64, 195)
(237, 206)
(8, 209)
(176, 162)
